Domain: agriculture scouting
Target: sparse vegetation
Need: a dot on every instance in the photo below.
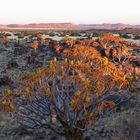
(70, 84)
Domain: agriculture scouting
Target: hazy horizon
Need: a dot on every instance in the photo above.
(65, 22)
(70, 11)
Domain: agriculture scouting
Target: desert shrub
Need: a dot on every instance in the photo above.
(34, 45)
(126, 36)
(57, 47)
(70, 41)
(137, 37)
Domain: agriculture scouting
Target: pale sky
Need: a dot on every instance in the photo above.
(75, 11)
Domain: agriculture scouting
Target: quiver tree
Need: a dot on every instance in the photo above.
(87, 42)
(66, 96)
(39, 37)
(107, 39)
(82, 53)
(120, 54)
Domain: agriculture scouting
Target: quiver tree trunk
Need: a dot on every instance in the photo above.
(74, 135)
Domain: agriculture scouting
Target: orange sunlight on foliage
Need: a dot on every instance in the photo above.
(34, 45)
(72, 91)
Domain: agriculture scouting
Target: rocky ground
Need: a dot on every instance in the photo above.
(16, 58)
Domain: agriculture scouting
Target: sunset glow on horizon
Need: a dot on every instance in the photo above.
(74, 11)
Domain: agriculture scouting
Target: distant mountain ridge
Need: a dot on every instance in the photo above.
(118, 26)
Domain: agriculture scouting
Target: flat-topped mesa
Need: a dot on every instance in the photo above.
(44, 25)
